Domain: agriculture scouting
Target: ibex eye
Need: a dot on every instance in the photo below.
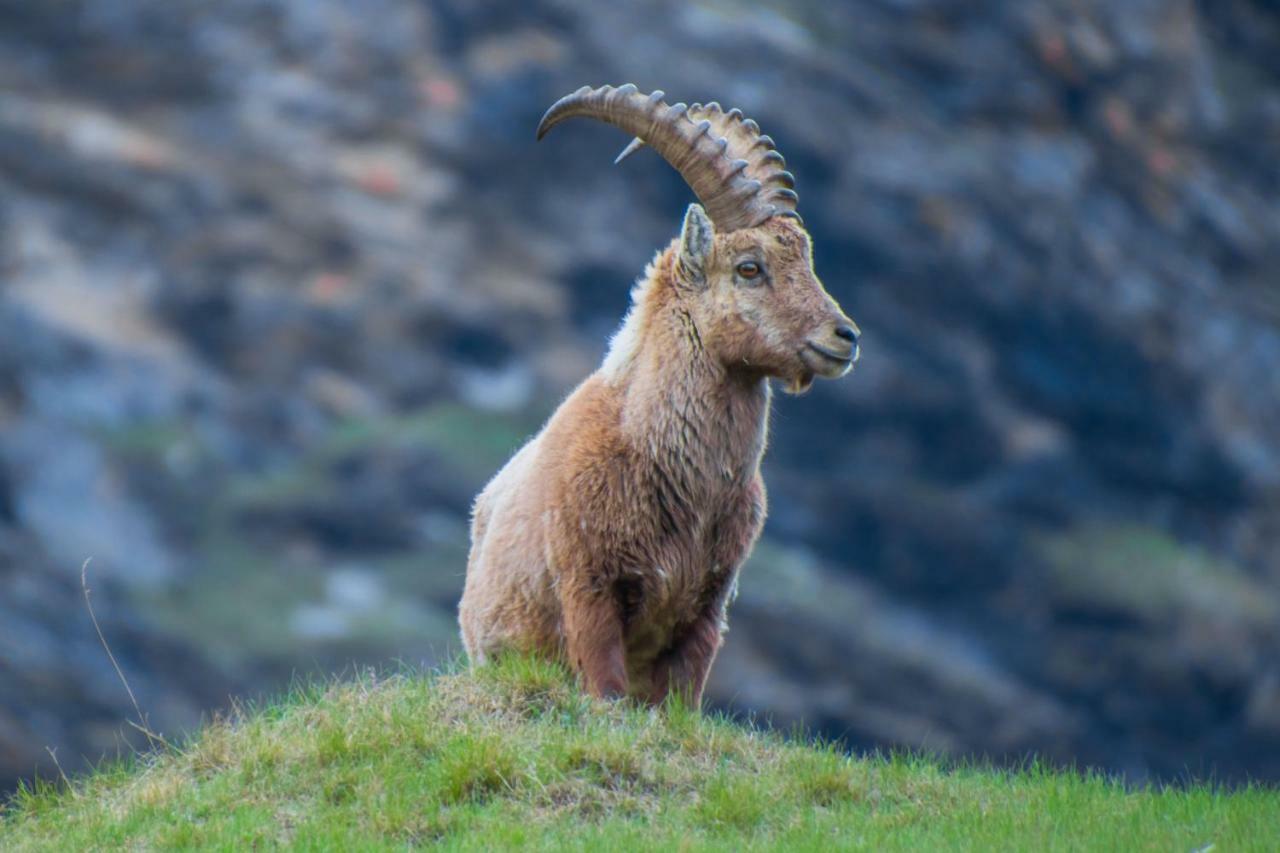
(749, 269)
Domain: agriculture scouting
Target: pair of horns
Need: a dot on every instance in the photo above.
(731, 167)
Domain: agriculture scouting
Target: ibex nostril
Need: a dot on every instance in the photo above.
(849, 333)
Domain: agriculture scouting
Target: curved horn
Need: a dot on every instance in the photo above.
(731, 167)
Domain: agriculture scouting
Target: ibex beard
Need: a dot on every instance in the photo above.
(613, 539)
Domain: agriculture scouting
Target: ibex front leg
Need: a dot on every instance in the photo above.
(683, 670)
(593, 638)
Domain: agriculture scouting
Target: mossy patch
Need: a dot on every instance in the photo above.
(1147, 575)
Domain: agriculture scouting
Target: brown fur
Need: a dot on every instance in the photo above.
(613, 539)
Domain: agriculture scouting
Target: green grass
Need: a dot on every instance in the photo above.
(515, 755)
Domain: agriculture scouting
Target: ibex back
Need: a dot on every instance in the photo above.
(613, 539)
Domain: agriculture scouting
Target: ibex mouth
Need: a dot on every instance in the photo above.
(828, 364)
(849, 356)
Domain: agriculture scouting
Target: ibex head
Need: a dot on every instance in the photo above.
(743, 263)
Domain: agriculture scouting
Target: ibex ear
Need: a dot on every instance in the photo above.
(697, 239)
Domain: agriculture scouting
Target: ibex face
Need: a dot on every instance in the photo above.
(758, 303)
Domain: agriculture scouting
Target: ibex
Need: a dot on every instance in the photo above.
(612, 540)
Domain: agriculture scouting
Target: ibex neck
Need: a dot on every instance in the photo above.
(681, 406)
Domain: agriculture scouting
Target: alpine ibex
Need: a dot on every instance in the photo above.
(612, 540)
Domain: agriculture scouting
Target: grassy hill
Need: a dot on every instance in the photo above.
(516, 755)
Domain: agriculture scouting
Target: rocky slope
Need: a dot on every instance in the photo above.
(284, 282)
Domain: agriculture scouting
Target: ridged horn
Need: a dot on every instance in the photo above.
(731, 167)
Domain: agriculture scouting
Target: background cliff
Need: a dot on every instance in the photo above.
(282, 282)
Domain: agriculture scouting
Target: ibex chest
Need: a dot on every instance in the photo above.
(693, 490)
(693, 557)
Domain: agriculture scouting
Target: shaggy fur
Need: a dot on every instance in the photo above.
(613, 539)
